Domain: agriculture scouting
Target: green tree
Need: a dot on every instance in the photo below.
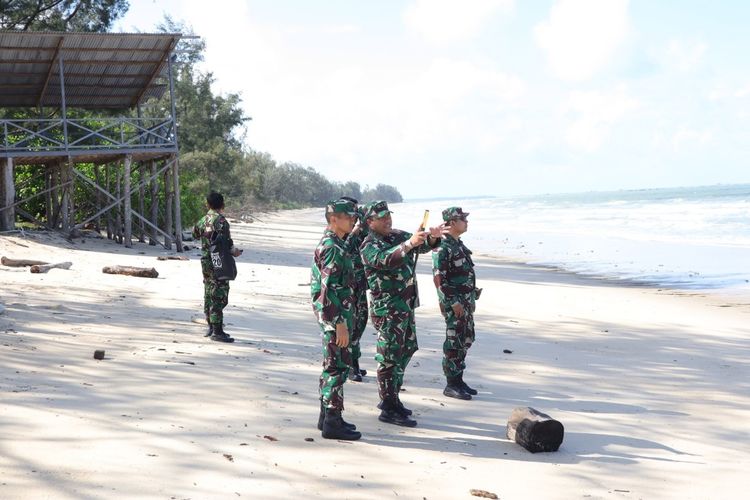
(61, 15)
(382, 192)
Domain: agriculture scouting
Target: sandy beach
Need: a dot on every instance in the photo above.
(652, 384)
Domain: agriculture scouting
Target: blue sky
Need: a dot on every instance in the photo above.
(485, 97)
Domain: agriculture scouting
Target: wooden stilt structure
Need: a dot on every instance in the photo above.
(117, 161)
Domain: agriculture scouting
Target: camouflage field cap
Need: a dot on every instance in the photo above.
(452, 213)
(341, 206)
(376, 209)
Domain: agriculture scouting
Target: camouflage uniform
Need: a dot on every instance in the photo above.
(331, 282)
(353, 242)
(393, 287)
(453, 274)
(215, 293)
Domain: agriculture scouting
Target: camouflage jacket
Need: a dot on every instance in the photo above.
(353, 242)
(453, 272)
(390, 271)
(331, 281)
(212, 225)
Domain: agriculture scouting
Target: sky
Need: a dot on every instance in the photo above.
(446, 98)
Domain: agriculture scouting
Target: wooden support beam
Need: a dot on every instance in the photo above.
(128, 218)
(49, 72)
(154, 203)
(142, 201)
(7, 195)
(177, 208)
(169, 197)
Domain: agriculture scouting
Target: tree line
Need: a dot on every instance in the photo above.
(211, 127)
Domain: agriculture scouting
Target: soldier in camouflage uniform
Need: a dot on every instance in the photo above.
(389, 259)
(453, 274)
(331, 281)
(353, 242)
(215, 293)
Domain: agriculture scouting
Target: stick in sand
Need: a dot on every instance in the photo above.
(43, 268)
(21, 262)
(139, 272)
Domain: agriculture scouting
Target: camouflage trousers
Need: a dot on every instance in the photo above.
(459, 335)
(360, 322)
(397, 343)
(215, 295)
(336, 362)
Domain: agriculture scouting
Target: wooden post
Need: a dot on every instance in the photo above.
(177, 209)
(65, 203)
(141, 201)
(98, 180)
(154, 203)
(128, 217)
(48, 183)
(168, 196)
(71, 178)
(118, 213)
(7, 196)
(55, 175)
(107, 184)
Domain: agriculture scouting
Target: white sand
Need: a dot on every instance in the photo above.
(652, 386)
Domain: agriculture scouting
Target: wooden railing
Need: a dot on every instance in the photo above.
(86, 134)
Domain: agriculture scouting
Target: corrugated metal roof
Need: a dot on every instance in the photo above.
(100, 70)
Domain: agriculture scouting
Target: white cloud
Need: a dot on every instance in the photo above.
(445, 21)
(595, 114)
(682, 55)
(580, 37)
(687, 138)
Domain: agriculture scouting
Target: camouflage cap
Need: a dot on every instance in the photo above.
(376, 209)
(452, 213)
(341, 206)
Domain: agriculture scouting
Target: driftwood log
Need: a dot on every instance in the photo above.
(43, 268)
(534, 430)
(140, 272)
(21, 262)
(172, 257)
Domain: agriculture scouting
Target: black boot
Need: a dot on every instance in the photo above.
(209, 330)
(400, 407)
(354, 374)
(455, 390)
(334, 427)
(322, 415)
(390, 414)
(218, 334)
(465, 386)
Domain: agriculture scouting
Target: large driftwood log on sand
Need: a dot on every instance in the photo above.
(140, 272)
(534, 430)
(43, 268)
(172, 257)
(21, 262)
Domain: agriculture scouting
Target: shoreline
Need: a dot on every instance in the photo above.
(650, 385)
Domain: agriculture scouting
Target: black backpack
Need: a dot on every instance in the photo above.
(222, 260)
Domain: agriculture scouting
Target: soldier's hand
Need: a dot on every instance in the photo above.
(417, 238)
(236, 252)
(458, 310)
(342, 335)
(438, 231)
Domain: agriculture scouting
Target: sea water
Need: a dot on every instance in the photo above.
(692, 237)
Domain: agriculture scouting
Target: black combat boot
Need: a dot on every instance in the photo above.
(390, 414)
(354, 374)
(335, 428)
(218, 334)
(455, 390)
(322, 415)
(465, 386)
(209, 330)
(399, 406)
